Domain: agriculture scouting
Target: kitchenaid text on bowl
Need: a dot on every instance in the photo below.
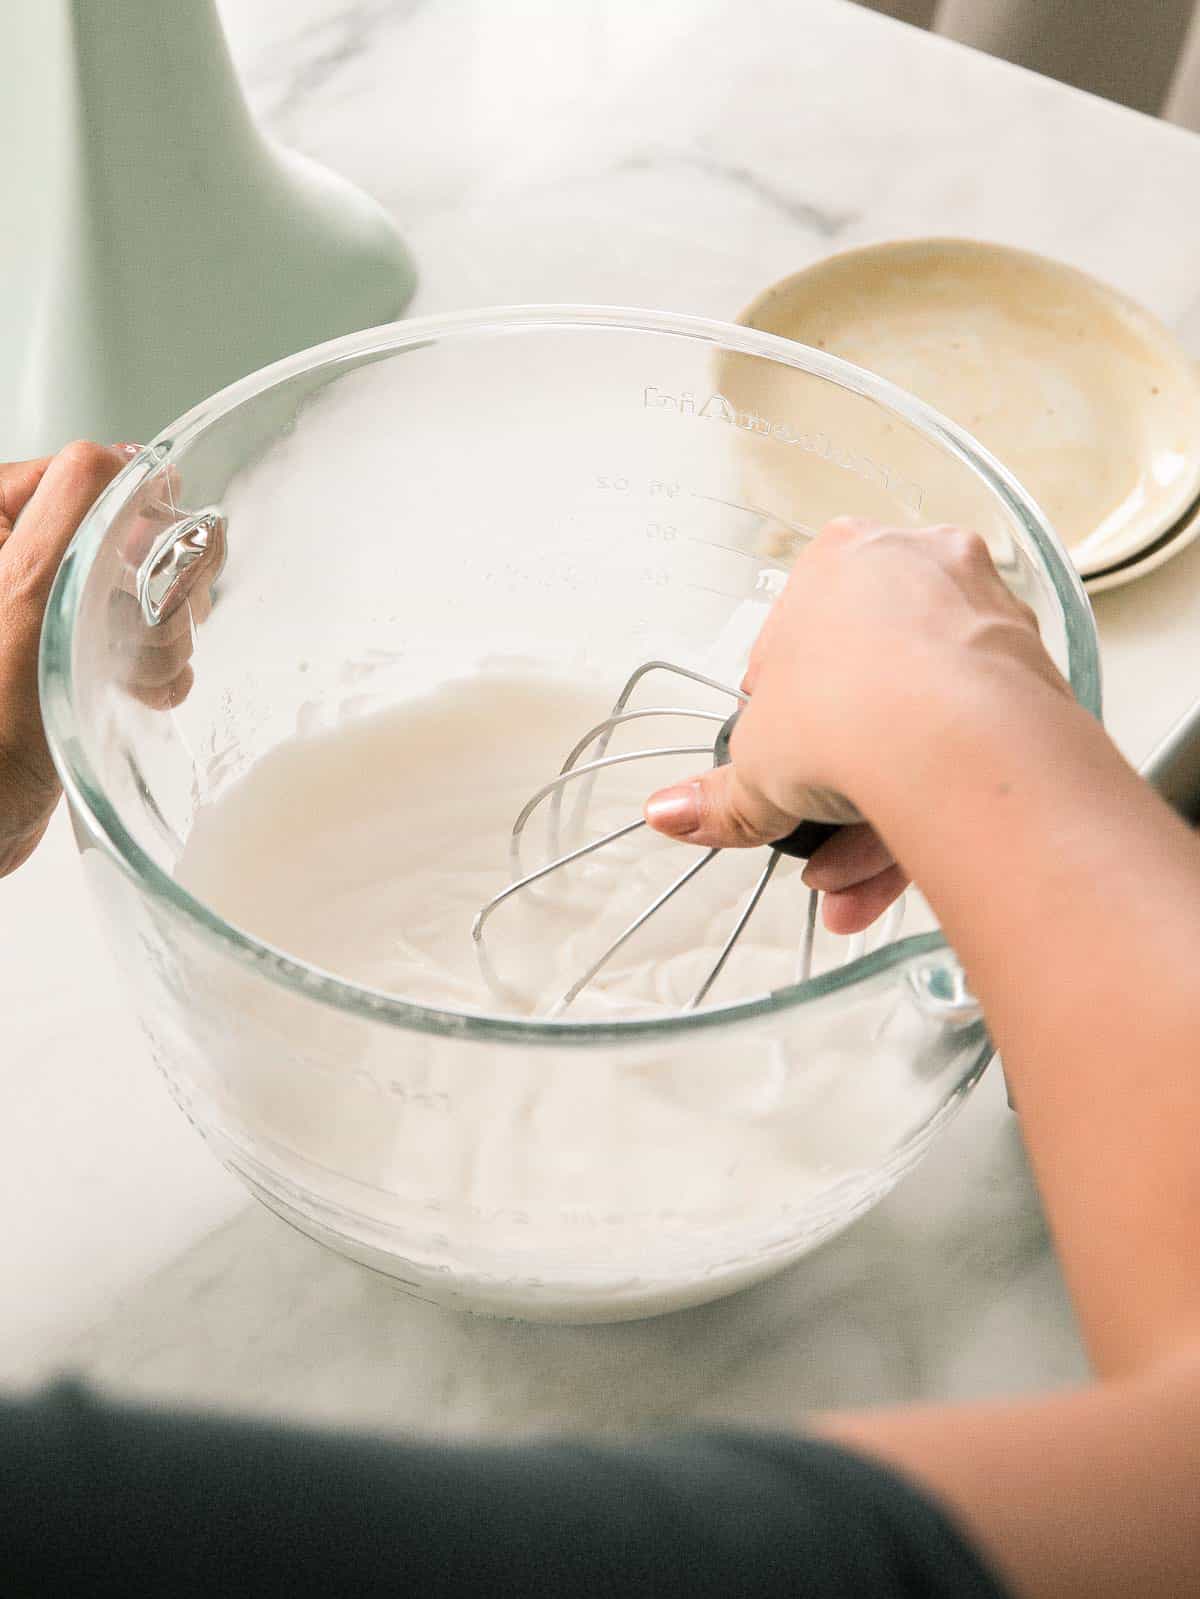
(717, 408)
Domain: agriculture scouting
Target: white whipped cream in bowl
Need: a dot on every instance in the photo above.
(444, 546)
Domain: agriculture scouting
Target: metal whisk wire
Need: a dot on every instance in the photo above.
(602, 733)
(584, 772)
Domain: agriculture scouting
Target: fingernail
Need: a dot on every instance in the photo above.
(128, 450)
(675, 810)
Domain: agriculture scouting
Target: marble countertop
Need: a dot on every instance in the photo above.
(653, 154)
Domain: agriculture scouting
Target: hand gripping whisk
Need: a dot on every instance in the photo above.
(799, 844)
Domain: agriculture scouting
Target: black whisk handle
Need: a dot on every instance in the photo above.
(806, 839)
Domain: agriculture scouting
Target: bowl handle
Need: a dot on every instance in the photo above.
(177, 558)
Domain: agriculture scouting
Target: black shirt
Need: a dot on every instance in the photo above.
(100, 1500)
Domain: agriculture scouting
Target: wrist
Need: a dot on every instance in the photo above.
(949, 734)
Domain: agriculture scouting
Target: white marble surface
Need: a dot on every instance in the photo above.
(647, 152)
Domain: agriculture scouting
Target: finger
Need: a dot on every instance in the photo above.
(65, 491)
(151, 670)
(717, 811)
(851, 856)
(166, 696)
(156, 505)
(131, 635)
(18, 479)
(845, 529)
(854, 909)
(29, 560)
(125, 617)
(154, 657)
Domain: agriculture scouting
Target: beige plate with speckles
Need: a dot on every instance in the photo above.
(1177, 537)
(1080, 392)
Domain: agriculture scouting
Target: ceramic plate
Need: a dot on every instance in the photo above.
(1176, 538)
(1081, 393)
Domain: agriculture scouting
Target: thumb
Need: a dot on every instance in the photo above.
(718, 810)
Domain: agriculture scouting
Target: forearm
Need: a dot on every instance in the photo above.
(1087, 1495)
(1072, 896)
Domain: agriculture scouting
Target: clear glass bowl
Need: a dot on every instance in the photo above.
(588, 488)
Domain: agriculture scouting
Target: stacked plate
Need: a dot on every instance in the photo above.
(1081, 393)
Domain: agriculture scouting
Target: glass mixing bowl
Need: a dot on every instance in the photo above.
(584, 488)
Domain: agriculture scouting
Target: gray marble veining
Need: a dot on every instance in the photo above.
(822, 220)
(310, 59)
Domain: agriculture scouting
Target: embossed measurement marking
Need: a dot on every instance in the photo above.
(772, 518)
(715, 544)
(753, 510)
